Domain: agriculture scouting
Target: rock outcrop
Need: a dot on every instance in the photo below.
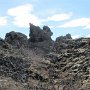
(40, 38)
(63, 38)
(16, 39)
(63, 42)
(39, 35)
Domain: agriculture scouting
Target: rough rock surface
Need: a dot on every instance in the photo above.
(40, 37)
(4, 44)
(63, 38)
(16, 39)
(67, 67)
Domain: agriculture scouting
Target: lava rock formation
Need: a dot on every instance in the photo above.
(39, 63)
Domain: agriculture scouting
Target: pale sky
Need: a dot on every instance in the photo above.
(62, 16)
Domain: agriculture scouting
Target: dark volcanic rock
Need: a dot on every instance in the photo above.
(13, 67)
(39, 35)
(63, 38)
(47, 31)
(16, 39)
(66, 67)
(40, 38)
(4, 44)
(63, 42)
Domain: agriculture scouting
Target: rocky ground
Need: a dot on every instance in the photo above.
(39, 63)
